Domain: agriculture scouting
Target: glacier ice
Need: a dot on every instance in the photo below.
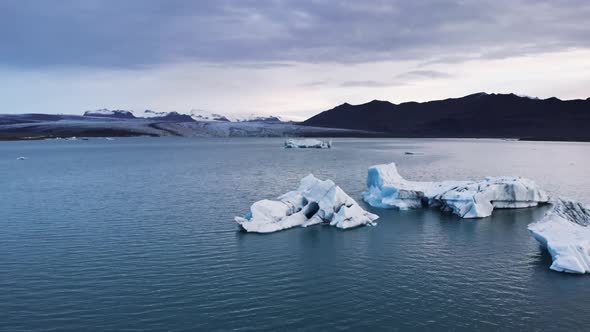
(314, 202)
(565, 232)
(308, 143)
(467, 199)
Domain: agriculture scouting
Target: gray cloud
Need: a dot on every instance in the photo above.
(429, 74)
(133, 33)
(252, 65)
(317, 83)
(369, 84)
(352, 83)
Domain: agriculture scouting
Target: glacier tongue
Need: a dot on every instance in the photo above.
(314, 202)
(467, 199)
(565, 232)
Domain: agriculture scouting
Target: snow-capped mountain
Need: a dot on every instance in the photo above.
(165, 116)
(194, 115)
(259, 118)
(148, 114)
(106, 113)
(200, 115)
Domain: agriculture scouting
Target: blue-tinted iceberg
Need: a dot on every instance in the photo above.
(467, 199)
(314, 202)
(565, 232)
(308, 143)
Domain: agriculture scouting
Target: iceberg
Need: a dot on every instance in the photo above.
(314, 202)
(21, 158)
(307, 143)
(467, 199)
(565, 232)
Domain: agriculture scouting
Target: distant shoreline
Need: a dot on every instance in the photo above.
(96, 135)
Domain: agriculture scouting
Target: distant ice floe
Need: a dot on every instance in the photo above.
(309, 143)
(410, 153)
(467, 199)
(565, 232)
(21, 158)
(314, 202)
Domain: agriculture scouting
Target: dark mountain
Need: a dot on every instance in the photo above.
(478, 115)
(174, 117)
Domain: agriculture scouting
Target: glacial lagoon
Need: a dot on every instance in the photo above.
(138, 234)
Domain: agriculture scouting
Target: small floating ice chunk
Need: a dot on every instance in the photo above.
(565, 232)
(314, 202)
(309, 143)
(410, 153)
(21, 158)
(109, 138)
(467, 199)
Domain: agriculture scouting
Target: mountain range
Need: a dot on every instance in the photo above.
(110, 123)
(194, 115)
(479, 115)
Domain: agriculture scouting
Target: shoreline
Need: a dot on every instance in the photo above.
(127, 135)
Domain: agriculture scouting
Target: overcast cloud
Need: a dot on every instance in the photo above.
(430, 39)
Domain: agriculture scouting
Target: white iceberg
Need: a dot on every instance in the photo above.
(565, 232)
(308, 143)
(21, 158)
(467, 199)
(314, 202)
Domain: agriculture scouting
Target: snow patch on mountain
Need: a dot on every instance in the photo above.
(201, 115)
(106, 113)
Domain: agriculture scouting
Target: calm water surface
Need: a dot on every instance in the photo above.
(138, 234)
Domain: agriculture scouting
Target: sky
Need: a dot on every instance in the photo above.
(293, 58)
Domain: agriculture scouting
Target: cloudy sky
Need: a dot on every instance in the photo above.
(287, 57)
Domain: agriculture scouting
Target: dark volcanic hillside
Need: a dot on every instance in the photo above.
(478, 115)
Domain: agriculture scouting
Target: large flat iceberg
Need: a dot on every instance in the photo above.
(565, 232)
(308, 143)
(314, 202)
(467, 199)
